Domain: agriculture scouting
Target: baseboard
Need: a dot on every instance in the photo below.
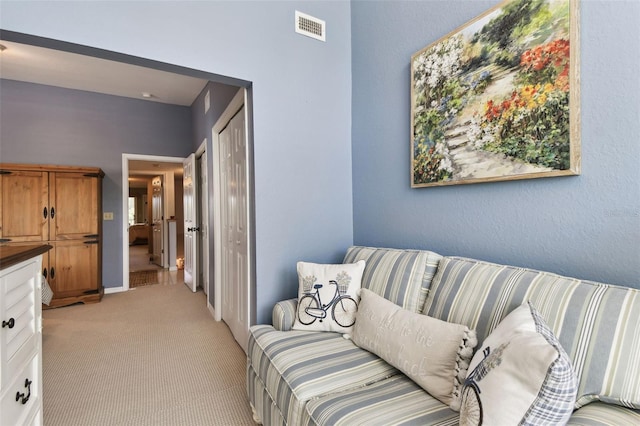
(210, 307)
(109, 290)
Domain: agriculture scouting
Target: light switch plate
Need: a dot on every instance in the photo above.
(107, 215)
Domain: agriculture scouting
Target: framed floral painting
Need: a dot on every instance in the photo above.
(498, 98)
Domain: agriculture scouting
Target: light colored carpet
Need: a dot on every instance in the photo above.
(150, 356)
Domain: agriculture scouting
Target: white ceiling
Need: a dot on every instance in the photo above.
(35, 64)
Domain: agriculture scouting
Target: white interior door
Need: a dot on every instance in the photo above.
(234, 220)
(190, 183)
(203, 241)
(157, 210)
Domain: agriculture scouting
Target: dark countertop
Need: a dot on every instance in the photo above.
(10, 255)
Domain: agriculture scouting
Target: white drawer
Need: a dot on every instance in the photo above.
(36, 418)
(28, 390)
(20, 315)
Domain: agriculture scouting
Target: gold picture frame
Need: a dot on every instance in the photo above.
(498, 98)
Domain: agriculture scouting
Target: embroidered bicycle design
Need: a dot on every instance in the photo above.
(471, 392)
(343, 307)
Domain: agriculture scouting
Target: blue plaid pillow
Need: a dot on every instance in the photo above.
(519, 375)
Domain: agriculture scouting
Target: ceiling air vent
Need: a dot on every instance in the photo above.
(310, 26)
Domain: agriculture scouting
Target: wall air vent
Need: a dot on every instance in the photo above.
(310, 26)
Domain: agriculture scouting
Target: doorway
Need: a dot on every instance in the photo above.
(140, 228)
(136, 71)
(153, 220)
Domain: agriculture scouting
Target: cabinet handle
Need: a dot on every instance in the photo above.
(9, 323)
(92, 242)
(25, 398)
(5, 240)
(44, 212)
(92, 236)
(53, 272)
(53, 212)
(44, 273)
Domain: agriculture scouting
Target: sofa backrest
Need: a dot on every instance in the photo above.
(401, 276)
(597, 324)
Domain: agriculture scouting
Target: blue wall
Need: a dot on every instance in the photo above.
(586, 226)
(302, 106)
(50, 125)
(219, 95)
(318, 105)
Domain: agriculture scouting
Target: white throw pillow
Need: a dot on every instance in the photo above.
(433, 353)
(520, 375)
(327, 296)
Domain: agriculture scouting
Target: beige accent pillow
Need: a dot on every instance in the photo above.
(433, 353)
(520, 375)
(327, 296)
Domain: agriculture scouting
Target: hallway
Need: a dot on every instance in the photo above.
(139, 259)
(143, 272)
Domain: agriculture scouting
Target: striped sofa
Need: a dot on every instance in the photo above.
(319, 378)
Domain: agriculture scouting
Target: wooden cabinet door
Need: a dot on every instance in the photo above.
(74, 200)
(73, 267)
(24, 212)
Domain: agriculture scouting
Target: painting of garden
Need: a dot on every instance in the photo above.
(496, 99)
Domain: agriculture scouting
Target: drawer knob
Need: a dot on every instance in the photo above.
(21, 397)
(9, 323)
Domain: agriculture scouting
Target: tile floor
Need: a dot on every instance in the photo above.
(139, 261)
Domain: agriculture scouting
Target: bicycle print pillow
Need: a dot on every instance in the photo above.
(327, 296)
(520, 375)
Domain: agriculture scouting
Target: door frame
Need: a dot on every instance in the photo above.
(125, 208)
(203, 204)
(242, 98)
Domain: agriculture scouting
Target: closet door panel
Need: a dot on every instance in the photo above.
(74, 199)
(72, 268)
(24, 210)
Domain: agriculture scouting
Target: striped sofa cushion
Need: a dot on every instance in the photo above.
(597, 324)
(296, 366)
(394, 401)
(401, 276)
(600, 414)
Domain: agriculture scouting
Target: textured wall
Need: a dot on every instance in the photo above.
(586, 226)
(302, 106)
(50, 125)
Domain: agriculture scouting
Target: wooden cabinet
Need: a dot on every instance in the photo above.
(71, 272)
(21, 334)
(61, 206)
(75, 205)
(24, 205)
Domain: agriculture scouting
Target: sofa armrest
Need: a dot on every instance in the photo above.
(284, 313)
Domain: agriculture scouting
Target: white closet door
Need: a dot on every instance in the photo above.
(189, 183)
(234, 219)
